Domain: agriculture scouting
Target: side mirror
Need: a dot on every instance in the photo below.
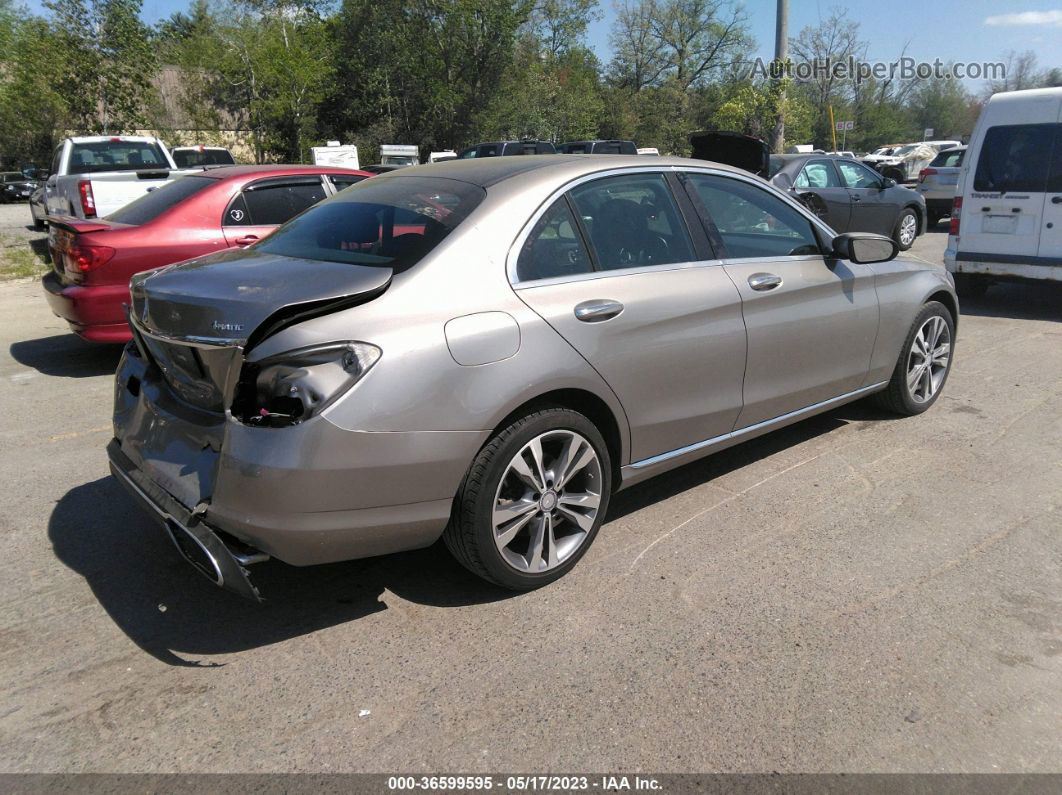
(864, 248)
(888, 182)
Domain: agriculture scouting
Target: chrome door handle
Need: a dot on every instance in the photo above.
(764, 281)
(597, 310)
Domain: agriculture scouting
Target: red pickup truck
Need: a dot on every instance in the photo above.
(93, 259)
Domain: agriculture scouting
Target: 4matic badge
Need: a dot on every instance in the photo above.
(219, 326)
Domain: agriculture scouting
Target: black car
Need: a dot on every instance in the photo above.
(597, 147)
(851, 197)
(506, 148)
(16, 186)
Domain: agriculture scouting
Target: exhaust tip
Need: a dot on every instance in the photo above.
(195, 552)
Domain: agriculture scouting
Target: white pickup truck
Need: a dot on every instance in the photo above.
(92, 176)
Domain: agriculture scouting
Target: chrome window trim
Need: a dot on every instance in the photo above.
(525, 231)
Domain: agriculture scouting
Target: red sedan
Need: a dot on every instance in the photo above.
(197, 214)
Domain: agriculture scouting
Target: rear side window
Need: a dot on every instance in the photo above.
(190, 158)
(951, 158)
(342, 181)
(93, 158)
(154, 203)
(1014, 158)
(554, 247)
(817, 174)
(274, 204)
(751, 221)
(393, 222)
(632, 221)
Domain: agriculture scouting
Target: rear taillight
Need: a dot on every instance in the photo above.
(956, 211)
(83, 258)
(926, 172)
(88, 202)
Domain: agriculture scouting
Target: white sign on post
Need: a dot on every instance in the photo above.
(849, 125)
(927, 133)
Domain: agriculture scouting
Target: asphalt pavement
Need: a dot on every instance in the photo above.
(854, 593)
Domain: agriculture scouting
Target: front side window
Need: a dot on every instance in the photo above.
(274, 204)
(154, 203)
(392, 223)
(753, 222)
(100, 156)
(632, 221)
(858, 176)
(1013, 158)
(817, 174)
(554, 247)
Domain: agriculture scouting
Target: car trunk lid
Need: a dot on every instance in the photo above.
(194, 320)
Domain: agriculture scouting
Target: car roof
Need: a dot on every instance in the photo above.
(488, 171)
(227, 172)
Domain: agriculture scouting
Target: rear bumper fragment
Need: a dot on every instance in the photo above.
(220, 561)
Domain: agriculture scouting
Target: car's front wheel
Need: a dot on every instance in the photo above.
(924, 362)
(906, 229)
(532, 501)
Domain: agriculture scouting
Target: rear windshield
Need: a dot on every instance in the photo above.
(391, 222)
(153, 204)
(951, 158)
(116, 156)
(190, 158)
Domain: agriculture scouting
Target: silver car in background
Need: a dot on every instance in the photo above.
(486, 350)
(937, 181)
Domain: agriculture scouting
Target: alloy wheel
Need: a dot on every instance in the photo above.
(908, 229)
(927, 362)
(547, 501)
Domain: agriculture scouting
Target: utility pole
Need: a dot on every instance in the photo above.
(781, 53)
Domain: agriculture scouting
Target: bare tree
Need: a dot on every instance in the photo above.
(684, 41)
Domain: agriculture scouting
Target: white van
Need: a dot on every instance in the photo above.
(1006, 220)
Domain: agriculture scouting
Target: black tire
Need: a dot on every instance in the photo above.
(907, 212)
(971, 285)
(470, 534)
(897, 396)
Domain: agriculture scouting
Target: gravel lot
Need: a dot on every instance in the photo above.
(854, 593)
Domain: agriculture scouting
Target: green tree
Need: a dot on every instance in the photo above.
(107, 62)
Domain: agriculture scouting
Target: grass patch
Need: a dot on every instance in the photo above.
(18, 260)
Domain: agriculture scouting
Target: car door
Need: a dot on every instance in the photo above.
(1050, 248)
(612, 267)
(874, 209)
(1006, 213)
(819, 178)
(263, 205)
(811, 323)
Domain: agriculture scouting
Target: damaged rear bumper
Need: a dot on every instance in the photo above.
(222, 562)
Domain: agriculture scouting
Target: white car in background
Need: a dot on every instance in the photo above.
(1006, 218)
(92, 176)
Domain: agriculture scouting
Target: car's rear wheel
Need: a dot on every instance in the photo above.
(532, 501)
(924, 362)
(906, 229)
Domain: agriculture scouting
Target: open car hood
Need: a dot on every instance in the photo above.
(241, 297)
(732, 149)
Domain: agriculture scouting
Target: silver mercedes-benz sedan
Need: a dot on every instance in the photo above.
(485, 350)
